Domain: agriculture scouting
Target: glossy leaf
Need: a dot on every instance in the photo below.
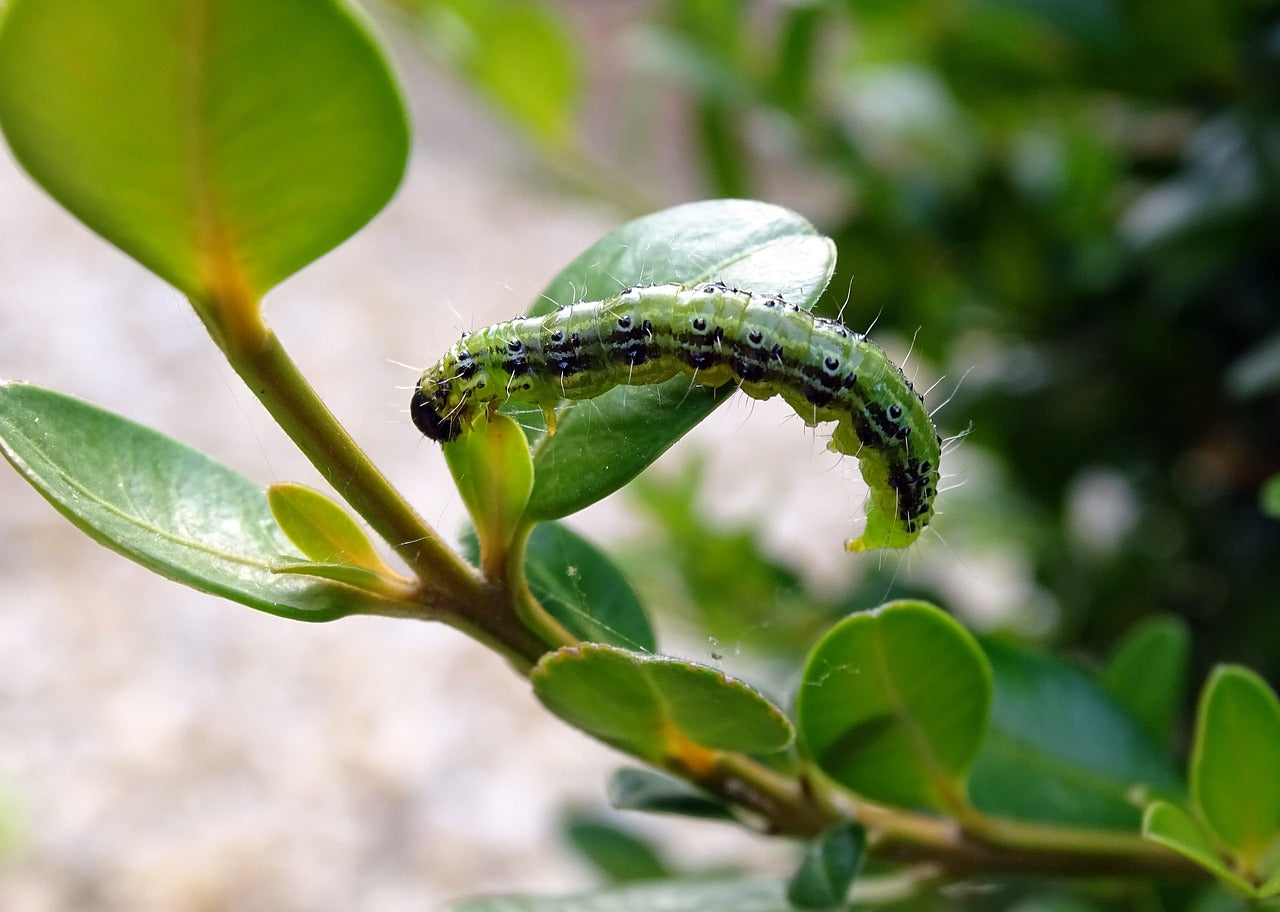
(161, 504)
(894, 703)
(1061, 750)
(657, 708)
(1147, 673)
(1235, 763)
(829, 866)
(701, 895)
(224, 144)
(321, 529)
(494, 475)
(632, 789)
(603, 443)
(1170, 826)
(581, 587)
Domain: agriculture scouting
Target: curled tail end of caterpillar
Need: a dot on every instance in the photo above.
(886, 526)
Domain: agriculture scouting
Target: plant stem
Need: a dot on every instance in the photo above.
(281, 387)
(447, 589)
(1043, 837)
(527, 607)
(804, 808)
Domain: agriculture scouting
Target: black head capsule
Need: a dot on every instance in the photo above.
(428, 420)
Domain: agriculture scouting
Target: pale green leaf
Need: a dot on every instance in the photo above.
(1235, 762)
(1170, 826)
(321, 529)
(224, 144)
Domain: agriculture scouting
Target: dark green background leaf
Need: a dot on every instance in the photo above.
(1147, 674)
(830, 864)
(1061, 750)
(618, 854)
(632, 789)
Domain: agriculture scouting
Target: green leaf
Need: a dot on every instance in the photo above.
(1060, 750)
(1272, 886)
(519, 54)
(1235, 763)
(581, 588)
(632, 789)
(894, 703)
(1269, 497)
(321, 529)
(602, 444)
(360, 577)
(729, 895)
(1147, 673)
(1170, 826)
(224, 144)
(494, 475)
(618, 854)
(161, 504)
(657, 708)
(830, 864)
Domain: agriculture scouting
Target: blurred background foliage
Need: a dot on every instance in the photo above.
(1073, 204)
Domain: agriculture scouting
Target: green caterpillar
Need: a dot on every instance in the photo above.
(715, 335)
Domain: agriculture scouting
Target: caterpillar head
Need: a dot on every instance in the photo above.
(432, 413)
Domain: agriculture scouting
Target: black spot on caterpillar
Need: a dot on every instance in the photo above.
(714, 335)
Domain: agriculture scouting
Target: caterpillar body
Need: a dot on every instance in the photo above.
(715, 335)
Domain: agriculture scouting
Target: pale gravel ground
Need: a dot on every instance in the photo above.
(164, 750)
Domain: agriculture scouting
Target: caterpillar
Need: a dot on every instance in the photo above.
(715, 335)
